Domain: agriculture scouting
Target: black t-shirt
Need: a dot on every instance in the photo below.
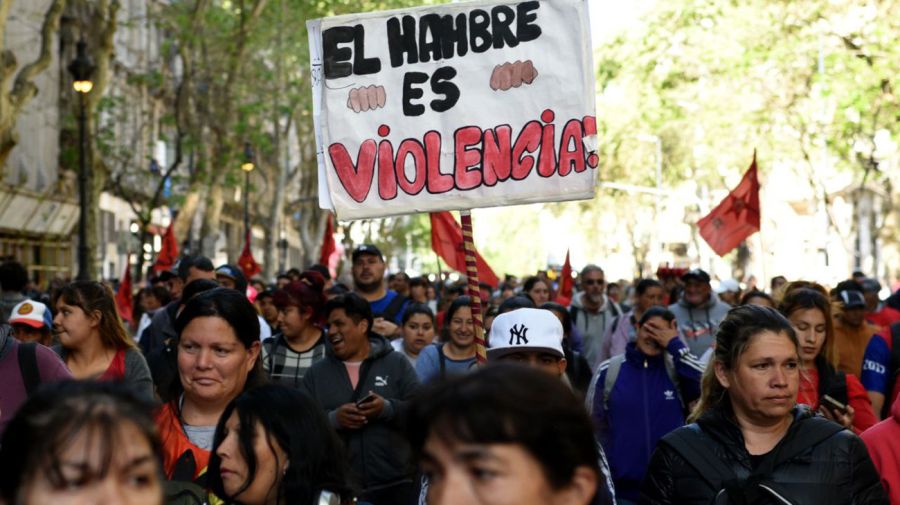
(756, 460)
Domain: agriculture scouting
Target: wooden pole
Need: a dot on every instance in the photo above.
(474, 290)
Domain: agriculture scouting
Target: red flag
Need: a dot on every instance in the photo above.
(736, 218)
(328, 245)
(447, 242)
(564, 297)
(247, 264)
(124, 297)
(168, 255)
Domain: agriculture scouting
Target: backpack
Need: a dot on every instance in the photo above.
(31, 374)
(617, 311)
(700, 451)
(615, 366)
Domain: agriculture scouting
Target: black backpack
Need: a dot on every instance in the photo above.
(31, 374)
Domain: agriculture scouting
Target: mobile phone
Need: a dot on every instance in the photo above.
(834, 404)
(369, 397)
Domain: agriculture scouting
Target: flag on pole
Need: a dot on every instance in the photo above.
(564, 296)
(246, 262)
(124, 297)
(328, 245)
(736, 217)
(168, 255)
(447, 242)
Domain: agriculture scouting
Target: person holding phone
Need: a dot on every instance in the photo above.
(364, 386)
(838, 396)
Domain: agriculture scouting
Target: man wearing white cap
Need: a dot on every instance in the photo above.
(529, 336)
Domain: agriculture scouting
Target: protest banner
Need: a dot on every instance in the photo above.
(454, 107)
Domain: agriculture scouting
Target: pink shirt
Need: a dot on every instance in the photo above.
(353, 372)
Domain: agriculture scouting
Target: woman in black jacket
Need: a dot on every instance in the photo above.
(750, 443)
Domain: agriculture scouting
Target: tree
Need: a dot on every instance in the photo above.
(14, 97)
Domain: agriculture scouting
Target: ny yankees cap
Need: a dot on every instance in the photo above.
(525, 330)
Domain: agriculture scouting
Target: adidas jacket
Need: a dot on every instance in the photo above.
(643, 406)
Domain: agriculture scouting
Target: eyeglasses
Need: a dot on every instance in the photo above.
(591, 282)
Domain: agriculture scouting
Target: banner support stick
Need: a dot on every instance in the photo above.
(474, 291)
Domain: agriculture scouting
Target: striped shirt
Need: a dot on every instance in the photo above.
(286, 366)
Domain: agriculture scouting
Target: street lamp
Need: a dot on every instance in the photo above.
(81, 69)
(247, 166)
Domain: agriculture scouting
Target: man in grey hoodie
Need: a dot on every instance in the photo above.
(364, 388)
(592, 312)
(698, 312)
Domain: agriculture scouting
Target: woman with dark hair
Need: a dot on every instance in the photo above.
(81, 442)
(808, 309)
(218, 359)
(578, 371)
(537, 290)
(456, 351)
(623, 329)
(273, 445)
(756, 297)
(640, 396)
(287, 355)
(92, 339)
(750, 442)
(417, 332)
(523, 438)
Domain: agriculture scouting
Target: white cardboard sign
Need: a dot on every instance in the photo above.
(454, 107)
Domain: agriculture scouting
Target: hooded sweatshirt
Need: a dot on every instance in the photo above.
(593, 325)
(379, 453)
(883, 441)
(698, 324)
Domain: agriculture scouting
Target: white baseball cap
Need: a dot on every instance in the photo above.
(31, 313)
(526, 330)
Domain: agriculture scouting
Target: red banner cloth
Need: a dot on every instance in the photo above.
(247, 264)
(447, 242)
(564, 296)
(124, 297)
(328, 245)
(168, 255)
(736, 217)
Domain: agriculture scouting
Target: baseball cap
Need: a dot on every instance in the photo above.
(870, 285)
(32, 313)
(526, 330)
(367, 249)
(229, 271)
(728, 285)
(695, 274)
(853, 300)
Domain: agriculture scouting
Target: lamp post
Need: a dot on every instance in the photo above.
(81, 69)
(247, 166)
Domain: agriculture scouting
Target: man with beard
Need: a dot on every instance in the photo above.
(699, 312)
(368, 282)
(592, 312)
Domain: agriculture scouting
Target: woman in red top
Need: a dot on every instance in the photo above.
(92, 339)
(808, 308)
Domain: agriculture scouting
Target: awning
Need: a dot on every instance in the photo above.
(33, 214)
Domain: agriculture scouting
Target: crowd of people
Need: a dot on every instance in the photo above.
(321, 391)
